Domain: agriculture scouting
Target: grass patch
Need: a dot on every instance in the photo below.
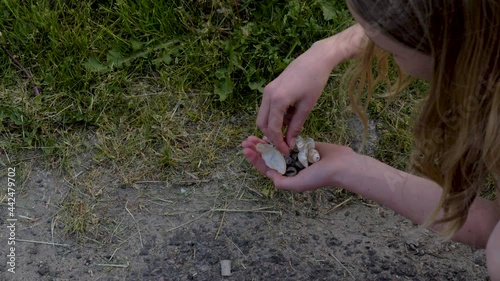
(162, 90)
(89, 57)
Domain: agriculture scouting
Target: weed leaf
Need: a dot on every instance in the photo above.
(165, 58)
(94, 65)
(328, 8)
(257, 85)
(136, 45)
(115, 58)
(223, 88)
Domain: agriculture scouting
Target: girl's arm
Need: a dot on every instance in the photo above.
(415, 197)
(493, 253)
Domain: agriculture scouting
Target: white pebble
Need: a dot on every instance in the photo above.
(225, 267)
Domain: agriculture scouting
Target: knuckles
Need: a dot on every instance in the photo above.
(269, 89)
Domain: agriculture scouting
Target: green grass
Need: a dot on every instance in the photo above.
(154, 89)
(89, 56)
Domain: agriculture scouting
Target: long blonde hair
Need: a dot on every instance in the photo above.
(457, 135)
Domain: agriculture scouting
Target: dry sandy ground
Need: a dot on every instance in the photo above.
(167, 231)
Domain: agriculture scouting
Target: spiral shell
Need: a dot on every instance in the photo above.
(313, 156)
(291, 171)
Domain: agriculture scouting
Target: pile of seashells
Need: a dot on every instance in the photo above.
(301, 156)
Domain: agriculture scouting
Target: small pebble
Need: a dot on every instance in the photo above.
(225, 267)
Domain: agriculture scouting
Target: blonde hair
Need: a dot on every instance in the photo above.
(457, 135)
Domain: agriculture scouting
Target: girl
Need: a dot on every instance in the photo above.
(455, 45)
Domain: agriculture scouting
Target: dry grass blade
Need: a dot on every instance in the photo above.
(189, 222)
(339, 205)
(220, 225)
(137, 224)
(114, 265)
(350, 273)
(258, 210)
(42, 242)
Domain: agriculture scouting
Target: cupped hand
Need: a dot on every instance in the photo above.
(326, 172)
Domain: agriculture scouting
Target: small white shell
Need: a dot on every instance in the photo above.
(302, 157)
(309, 143)
(272, 157)
(300, 143)
(313, 156)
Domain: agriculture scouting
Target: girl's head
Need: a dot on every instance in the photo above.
(397, 32)
(455, 45)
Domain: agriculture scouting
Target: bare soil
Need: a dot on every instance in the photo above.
(182, 231)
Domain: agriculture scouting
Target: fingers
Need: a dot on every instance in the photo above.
(252, 141)
(254, 158)
(288, 116)
(297, 123)
(271, 117)
(250, 152)
(274, 129)
(263, 115)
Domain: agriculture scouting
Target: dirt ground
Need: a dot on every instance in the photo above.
(182, 231)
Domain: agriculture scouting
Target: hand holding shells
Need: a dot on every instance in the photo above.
(302, 155)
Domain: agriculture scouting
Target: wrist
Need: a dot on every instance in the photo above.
(342, 46)
(344, 176)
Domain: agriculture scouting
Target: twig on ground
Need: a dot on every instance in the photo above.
(42, 242)
(93, 240)
(350, 273)
(53, 221)
(370, 205)
(4, 151)
(339, 205)
(114, 265)
(232, 242)
(23, 69)
(291, 266)
(189, 182)
(220, 225)
(110, 258)
(136, 223)
(257, 192)
(77, 174)
(258, 210)
(186, 223)
(30, 219)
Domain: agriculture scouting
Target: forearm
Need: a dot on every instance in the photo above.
(415, 197)
(493, 254)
